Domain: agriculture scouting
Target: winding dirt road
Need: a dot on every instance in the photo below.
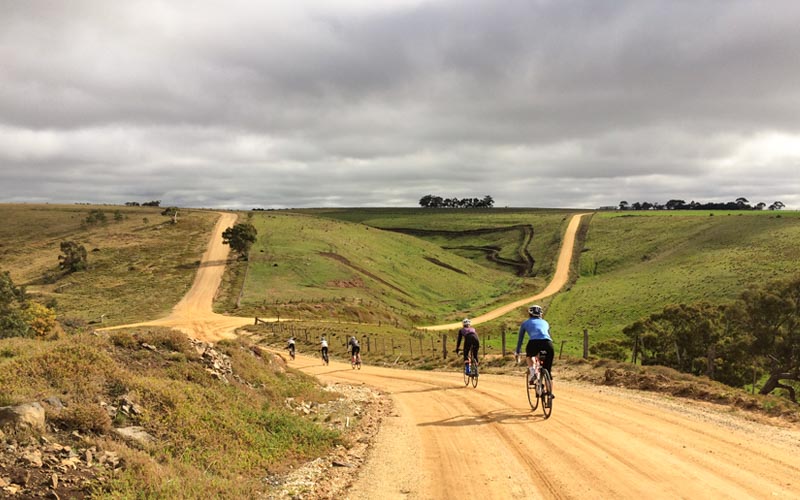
(194, 315)
(560, 278)
(446, 441)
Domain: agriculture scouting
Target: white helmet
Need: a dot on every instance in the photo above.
(535, 311)
(466, 322)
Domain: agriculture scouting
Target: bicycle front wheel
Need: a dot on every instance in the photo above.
(533, 399)
(547, 393)
(466, 378)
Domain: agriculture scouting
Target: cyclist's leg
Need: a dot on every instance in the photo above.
(547, 345)
(474, 348)
(530, 352)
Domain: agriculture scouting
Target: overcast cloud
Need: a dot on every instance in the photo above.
(538, 103)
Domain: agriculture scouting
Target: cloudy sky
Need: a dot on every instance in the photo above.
(315, 103)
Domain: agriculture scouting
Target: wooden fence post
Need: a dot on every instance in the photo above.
(503, 341)
(444, 346)
(585, 343)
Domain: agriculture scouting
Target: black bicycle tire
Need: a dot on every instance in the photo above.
(474, 372)
(547, 393)
(466, 377)
(533, 400)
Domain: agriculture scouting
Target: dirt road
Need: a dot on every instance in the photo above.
(447, 441)
(560, 278)
(193, 315)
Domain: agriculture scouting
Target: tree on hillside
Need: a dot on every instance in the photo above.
(770, 317)
(12, 322)
(96, 216)
(240, 237)
(171, 212)
(624, 205)
(761, 327)
(73, 258)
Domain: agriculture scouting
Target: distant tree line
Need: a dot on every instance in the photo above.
(431, 201)
(739, 204)
(154, 203)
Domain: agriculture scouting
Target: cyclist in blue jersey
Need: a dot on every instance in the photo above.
(538, 331)
(471, 343)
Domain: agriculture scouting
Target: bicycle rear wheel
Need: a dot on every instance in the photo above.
(474, 374)
(466, 377)
(547, 393)
(533, 399)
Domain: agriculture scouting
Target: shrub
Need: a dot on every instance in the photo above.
(85, 418)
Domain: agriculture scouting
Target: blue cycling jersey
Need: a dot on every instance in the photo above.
(536, 328)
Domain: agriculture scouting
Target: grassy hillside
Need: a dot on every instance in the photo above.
(442, 227)
(218, 424)
(306, 266)
(139, 265)
(634, 264)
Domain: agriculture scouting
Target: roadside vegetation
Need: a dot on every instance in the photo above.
(215, 421)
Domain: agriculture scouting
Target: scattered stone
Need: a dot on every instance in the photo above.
(32, 458)
(24, 417)
(55, 402)
(136, 435)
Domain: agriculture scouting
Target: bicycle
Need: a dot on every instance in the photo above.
(471, 372)
(325, 356)
(355, 361)
(542, 386)
(291, 352)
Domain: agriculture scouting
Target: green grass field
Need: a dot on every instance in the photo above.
(312, 267)
(635, 264)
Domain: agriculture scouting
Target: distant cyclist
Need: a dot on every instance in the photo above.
(471, 343)
(355, 350)
(539, 339)
(324, 349)
(291, 347)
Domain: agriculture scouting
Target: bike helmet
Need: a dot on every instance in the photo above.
(535, 311)
(466, 322)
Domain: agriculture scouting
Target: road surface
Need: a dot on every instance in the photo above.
(447, 441)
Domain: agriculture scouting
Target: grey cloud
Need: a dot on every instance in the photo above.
(300, 103)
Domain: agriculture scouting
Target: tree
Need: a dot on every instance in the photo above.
(96, 216)
(73, 258)
(624, 205)
(770, 318)
(171, 212)
(675, 204)
(12, 322)
(776, 205)
(240, 237)
(41, 320)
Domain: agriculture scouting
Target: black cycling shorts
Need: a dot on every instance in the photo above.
(533, 348)
(356, 349)
(471, 344)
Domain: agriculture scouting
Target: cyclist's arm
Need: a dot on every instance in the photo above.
(520, 336)
(458, 340)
